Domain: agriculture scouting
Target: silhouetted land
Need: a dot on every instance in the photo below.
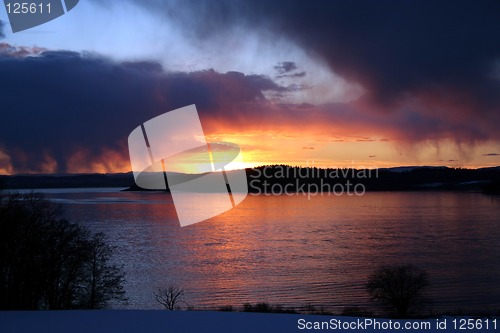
(392, 179)
(262, 179)
(67, 180)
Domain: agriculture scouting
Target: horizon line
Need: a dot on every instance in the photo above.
(256, 167)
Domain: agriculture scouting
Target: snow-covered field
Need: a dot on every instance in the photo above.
(131, 321)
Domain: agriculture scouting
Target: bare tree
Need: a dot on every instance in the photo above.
(104, 281)
(170, 297)
(400, 288)
(50, 263)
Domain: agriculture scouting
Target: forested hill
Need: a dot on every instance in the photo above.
(390, 179)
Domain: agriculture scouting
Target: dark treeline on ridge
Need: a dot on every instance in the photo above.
(394, 179)
(485, 180)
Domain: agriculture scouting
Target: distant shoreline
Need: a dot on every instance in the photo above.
(295, 179)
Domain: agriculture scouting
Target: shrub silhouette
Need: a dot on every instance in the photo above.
(398, 287)
(355, 311)
(264, 307)
(50, 263)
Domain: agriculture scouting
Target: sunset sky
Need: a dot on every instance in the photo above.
(323, 83)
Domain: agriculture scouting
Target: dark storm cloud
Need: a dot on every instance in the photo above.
(59, 103)
(2, 33)
(285, 67)
(399, 47)
(392, 47)
(444, 55)
(294, 75)
(431, 71)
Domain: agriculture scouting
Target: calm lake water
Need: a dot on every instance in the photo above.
(293, 251)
